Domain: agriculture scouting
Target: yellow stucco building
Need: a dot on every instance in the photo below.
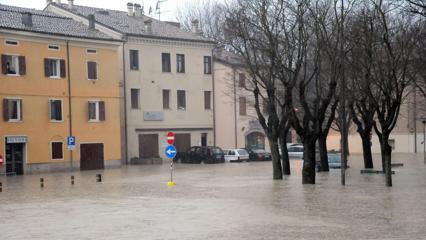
(59, 78)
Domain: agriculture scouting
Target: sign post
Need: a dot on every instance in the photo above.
(170, 152)
(71, 143)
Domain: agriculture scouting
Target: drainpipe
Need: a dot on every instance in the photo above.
(125, 107)
(214, 98)
(69, 100)
(235, 105)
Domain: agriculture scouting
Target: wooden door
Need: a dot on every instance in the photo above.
(148, 146)
(182, 142)
(92, 156)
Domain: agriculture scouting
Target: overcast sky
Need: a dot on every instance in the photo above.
(169, 7)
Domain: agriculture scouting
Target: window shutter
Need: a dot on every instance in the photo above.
(243, 106)
(22, 65)
(88, 110)
(242, 78)
(101, 111)
(20, 110)
(91, 69)
(5, 110)
(4, 64)
(62, 67)
(207, 100)
(47, 67)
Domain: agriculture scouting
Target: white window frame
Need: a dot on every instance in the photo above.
(58, 67)
(91, 49)
(15, 60)
(50, 110)
(97, 70)
(11, 40)
(18, 109)
(51, 151)
(54, 47)
(96, 102)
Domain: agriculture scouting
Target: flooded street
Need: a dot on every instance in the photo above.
(225, 201)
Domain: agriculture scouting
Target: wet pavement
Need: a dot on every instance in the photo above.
(225, 201)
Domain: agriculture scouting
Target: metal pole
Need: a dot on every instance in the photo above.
(171, 170)
(424, 143)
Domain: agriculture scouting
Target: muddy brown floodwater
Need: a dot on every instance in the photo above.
(226, 201)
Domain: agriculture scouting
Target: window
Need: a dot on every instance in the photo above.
(135, 93)
(207, 65)
(57, 150)
(134, 60)
(12, 110)
(55, 110)
(243, 111)
(53, 47)
(166, 99)
(265, 106)
(13, 65)
(180, 63)
(11, 42)
(165, 59)
(91, 51)
(96, 111)
(92, 70)
(207, 100)
(181, 100)
(242, 80)
(54, 68)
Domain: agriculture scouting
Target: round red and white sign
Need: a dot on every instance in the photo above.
(170, 138)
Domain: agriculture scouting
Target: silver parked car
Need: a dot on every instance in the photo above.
(295, 151)
(236, 155)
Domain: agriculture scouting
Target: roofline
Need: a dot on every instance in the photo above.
(62, 35)
(241, 65)
(131, 34)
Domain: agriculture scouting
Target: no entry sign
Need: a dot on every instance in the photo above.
(170, 138)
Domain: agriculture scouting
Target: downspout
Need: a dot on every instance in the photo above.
(235, 105)
(214, 98)
(69, 100)
(125, 107)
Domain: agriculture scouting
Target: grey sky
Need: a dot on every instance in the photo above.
(169, 7)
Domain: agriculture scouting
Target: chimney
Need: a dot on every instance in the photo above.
(58, 1)
(195, 26)
(137, 8)
(130, 9)
(70, 4)
(91, 18)
(148, 26)
(27, 19)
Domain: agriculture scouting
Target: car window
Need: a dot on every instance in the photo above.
(242, 152)
(217, 150)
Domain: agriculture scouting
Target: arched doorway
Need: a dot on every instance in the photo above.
(255, 140)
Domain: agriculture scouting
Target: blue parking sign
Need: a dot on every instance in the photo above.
(170, 151)
(71, 142)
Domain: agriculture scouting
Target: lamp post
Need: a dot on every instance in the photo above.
(424, 138)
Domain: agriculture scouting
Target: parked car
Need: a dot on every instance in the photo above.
(295, 151)
(259, 155)
(334, 160)
(206, 155)
(236, 155)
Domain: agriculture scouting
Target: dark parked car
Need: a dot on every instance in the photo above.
(259, 155)
(208, 155)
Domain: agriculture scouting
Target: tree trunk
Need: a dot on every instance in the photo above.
(387, 160)
(366, 149)
(276, 161)
(284, 154)
(322, 142)
(308, 172)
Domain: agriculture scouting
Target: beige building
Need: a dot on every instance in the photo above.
(236, 121)
(58, 78)
(168, 79)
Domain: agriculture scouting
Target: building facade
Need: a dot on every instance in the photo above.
(168, 80)
(236, 119)
(59, 78)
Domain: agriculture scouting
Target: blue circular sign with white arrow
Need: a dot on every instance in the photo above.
(170, 151)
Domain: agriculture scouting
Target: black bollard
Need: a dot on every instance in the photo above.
(98, 177)
(72, 180)
(1, 187)
(42, 182)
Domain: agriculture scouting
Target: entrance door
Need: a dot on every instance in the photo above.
(15, 158)
(92, 156)
(182, 142)
(148, 146)
(204, 139)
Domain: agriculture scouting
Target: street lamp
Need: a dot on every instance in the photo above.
(424, 138)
